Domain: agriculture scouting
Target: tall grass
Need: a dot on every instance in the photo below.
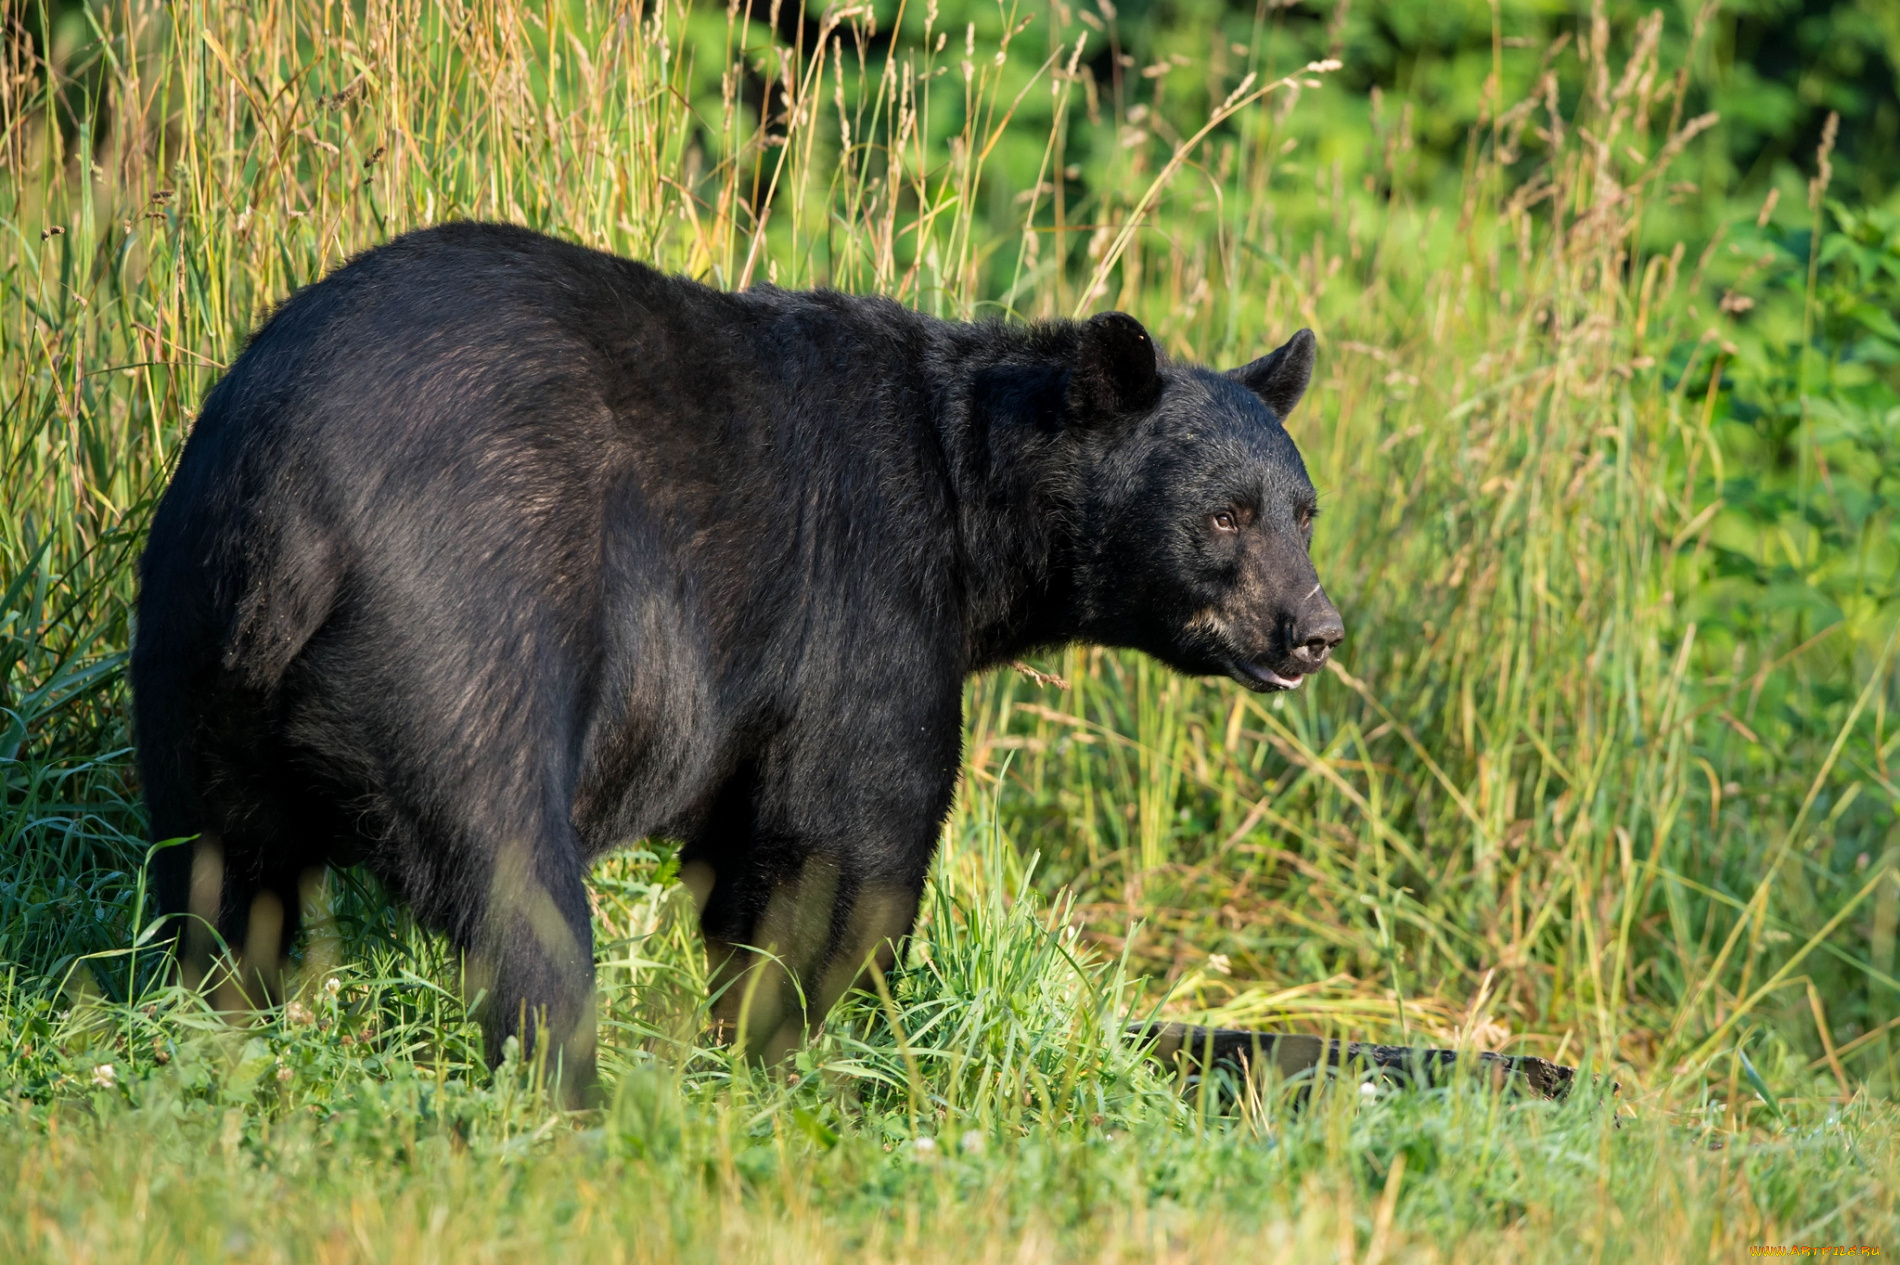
(1554, 797)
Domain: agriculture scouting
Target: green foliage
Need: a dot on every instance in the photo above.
(338, 1126)
(1810, 426)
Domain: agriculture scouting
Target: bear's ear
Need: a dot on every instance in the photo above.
(1280, 376)
(1115, 370)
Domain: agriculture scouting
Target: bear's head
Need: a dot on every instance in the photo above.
(1198, 513)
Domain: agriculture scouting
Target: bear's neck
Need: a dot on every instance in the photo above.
(998, 407)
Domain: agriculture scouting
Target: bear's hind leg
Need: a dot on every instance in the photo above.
(230, 880)
(531, 958)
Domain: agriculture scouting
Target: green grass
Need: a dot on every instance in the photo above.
(1605, 774)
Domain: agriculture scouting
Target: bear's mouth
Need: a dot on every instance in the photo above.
(1256, 676)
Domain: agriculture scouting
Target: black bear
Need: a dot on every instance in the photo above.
(492, 553)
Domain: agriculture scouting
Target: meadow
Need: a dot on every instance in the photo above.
(1604, 771)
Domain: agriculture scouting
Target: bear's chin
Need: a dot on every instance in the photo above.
(1262, 680)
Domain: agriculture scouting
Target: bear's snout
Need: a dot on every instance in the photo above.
(1316, 630)
(1281, 638)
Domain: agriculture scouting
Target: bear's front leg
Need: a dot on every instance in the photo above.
(813, 872)
(817, 930)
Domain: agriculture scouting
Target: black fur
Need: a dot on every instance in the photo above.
(492, 553)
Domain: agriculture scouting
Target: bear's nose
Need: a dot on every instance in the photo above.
(1315, 634)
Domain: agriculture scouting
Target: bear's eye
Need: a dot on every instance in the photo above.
(1225, 521)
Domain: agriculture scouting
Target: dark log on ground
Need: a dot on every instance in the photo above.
(1193, 1050)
